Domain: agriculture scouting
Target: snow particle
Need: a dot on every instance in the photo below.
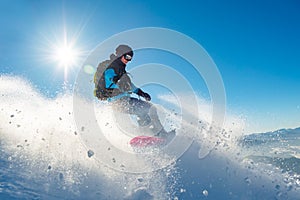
(90, 153)
(122, 167)
(247, 180)
(279, 194)
(140, 179)
(205, 193)
(61, 176)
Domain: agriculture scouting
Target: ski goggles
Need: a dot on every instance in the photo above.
(127, 57)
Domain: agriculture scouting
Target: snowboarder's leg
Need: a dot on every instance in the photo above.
(145, 112)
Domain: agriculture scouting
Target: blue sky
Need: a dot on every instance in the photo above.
(255, 45)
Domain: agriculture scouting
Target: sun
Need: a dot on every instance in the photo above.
(65, 55)
(61, 49)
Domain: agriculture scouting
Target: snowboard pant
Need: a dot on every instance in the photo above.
(147, 117)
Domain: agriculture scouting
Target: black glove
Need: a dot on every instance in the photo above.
(144, 94)
(147, 97)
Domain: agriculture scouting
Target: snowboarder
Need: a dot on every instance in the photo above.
(113, 84)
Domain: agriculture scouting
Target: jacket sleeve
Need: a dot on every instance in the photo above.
(109, 75)
(134, 89)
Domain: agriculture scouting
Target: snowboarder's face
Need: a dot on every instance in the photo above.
(126, 58)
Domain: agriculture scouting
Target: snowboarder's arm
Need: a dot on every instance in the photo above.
(109, 75)
(134, 89)
(140, 92)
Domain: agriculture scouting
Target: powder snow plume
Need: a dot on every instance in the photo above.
(43, 156)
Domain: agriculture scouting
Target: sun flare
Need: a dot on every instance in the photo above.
(61, 50)
(65, 55)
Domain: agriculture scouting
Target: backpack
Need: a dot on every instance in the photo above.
(100, 92)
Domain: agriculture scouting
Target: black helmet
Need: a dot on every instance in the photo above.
(124, 50)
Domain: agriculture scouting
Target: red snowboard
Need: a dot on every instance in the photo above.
(146, 141)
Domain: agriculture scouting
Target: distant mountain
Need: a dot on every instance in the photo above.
(268, 137)
(281, 131)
